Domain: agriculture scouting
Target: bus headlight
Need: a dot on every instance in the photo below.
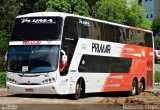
(11, 80)
(50, 80)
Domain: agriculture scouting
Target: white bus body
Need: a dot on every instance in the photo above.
(98, 64)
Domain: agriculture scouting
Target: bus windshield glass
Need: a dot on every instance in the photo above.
(32, 59)
(37, 28)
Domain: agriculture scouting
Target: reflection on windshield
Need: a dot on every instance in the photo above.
(32, 59)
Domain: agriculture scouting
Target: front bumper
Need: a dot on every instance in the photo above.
(32, 89)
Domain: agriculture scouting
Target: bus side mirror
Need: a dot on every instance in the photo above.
(63, 61)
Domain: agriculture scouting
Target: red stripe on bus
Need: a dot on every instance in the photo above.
(135, 28)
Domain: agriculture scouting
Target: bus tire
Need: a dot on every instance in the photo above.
(142, 86)
(79, 90)
(134, 89)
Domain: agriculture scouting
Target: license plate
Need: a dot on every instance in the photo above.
(29, 90)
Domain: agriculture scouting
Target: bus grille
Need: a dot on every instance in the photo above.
(29, 84)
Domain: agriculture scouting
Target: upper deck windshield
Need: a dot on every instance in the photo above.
(37, 28)
(32, 59)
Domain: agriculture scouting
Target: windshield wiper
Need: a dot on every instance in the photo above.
(20, 73)
(14, 71)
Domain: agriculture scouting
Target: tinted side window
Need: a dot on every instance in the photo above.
(120, 35)
(120, 65)
(110, 33)
(69, 39)
(102, 31)
(103, 64)
(135, 37)
(130, 37)
(70, 28)
(84, 28)
(95, 30)
(148, 39)
(89, 63)
(139, 38)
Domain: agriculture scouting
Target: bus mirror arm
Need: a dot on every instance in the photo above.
(63, 61)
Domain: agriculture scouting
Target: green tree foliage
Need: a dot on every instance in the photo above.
(4, 39)
(157, 43)
(120, 11)
(156, 32)
(92, 8)
(156, 26)
(58, 6)
(2, 79)
(157, 77)
(79, 7)
(29, 6)
(111, 10)
(8, 10)
(136, 16)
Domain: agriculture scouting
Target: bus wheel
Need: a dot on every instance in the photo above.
(79, 90)
(142, 86)
(134, 88)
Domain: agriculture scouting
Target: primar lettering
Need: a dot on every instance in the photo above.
(101, 48)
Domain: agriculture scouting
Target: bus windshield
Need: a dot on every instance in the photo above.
(37, 28)
(32, 59)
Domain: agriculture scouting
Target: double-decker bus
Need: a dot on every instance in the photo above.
(60, 53)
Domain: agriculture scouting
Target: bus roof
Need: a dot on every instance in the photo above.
(49, 14)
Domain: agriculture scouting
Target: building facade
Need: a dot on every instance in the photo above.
(152, 8)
